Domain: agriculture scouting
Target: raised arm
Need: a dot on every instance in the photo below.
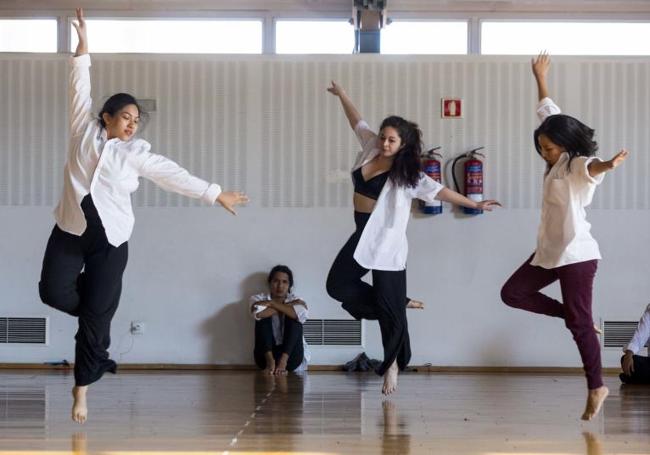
(80, 102)
(351, 112)
(540, 66)
(80, 27)
(545, 107)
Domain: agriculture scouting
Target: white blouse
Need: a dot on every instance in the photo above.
(564, 234)
(383, 244)
(109, 170)
(641, 334)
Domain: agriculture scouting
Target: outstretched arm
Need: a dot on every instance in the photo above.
(540, 66)
(168, 175)
(451, 196)
(597, 167)
(350, 110)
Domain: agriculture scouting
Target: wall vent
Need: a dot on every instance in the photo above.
(332, 332)
(23, 330)
(618, 333)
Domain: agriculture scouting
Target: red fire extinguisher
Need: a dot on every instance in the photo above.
(472, 178)
(433, 168)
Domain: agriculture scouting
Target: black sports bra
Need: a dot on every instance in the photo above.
(371, 187)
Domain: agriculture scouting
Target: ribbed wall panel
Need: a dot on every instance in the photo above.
(32, 131)
(207, 120)
(200, 122)
(499, 100)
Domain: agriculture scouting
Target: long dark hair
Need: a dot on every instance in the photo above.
(567, 132)
(281, 269)
(406, 165)
(115, 103)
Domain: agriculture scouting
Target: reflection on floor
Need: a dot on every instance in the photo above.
(320, 413)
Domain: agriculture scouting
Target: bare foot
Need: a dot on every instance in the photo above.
(390, 379)
(595, 400)
(280, 369)
(270, 363)
(270, 368)
(415, 304)
(79, 407)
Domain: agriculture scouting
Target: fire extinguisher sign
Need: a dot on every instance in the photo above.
(451, 108)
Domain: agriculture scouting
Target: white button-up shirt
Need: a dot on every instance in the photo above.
(383, 244)
(641, 335)
(278, 319)
(108, 170)
(564, 234)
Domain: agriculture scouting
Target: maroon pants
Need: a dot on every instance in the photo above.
(576, 281)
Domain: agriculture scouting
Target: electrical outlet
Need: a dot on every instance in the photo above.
(137, 327)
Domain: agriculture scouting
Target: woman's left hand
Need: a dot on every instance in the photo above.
(488, 205)
(618, 159)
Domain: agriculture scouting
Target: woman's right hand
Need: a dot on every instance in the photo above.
(540, 65)
(335, 89)
(229, 199)
(628, 363)
(80, 27)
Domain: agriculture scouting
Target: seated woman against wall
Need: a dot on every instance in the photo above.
(636, 368)
(279, 316)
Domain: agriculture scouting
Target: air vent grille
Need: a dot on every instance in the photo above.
(332, 332)
(23, 330)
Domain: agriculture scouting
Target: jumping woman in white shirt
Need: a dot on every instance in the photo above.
(566, 251)
(94, 218)
(386, 177)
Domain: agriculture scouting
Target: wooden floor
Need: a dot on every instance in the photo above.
(226, 412)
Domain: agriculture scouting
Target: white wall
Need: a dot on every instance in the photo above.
(267, 126)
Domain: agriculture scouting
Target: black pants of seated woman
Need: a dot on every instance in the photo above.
(384, 301)
(641, 373)
(291, 342)
(92, 295)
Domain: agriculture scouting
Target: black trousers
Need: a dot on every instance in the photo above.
(384, 301)
(641, 373)
(291, 342)
(92, 295)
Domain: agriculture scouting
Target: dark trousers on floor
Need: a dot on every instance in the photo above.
(384, 301)
(576, 282)
(641, 373)
(291, 342)
(91, 296)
